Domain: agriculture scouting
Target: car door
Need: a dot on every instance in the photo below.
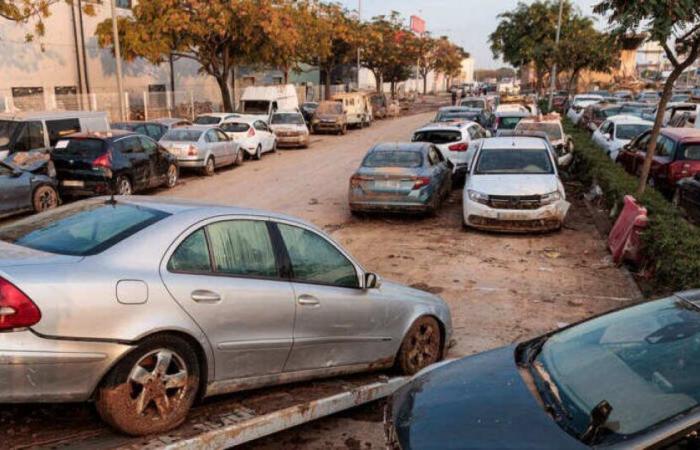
(158, 164)
(132, 149)
(228, 149)
(226, 275)
(214, 146)
(599, 135)
(664, 155)
(439, 170)
(264, 135)
(15, 190)
(637, 151)
(337, 323)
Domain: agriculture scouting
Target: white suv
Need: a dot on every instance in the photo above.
(457, 141)
(513, 185)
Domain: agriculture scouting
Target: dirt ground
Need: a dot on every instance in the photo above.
(501, 288)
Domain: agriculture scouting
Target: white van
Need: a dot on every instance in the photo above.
(358, 108)
(26, 131)
(262, 101)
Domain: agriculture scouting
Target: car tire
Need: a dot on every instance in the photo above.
(172, 175)
(123, 186)
(258, 153)
(240, 156)
(274, 146)
(344, 130)
(676, 200)
(209, 167)
(44, 198)
(133, 397)
(421, 346)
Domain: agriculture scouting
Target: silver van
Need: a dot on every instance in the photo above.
(26, 131)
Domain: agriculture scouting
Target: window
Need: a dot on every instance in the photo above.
(154, 131)
(643, 142)
(81, 229)
(58, 129)
(129, 145)
(148, 145)
(221, 135)
(437, 136)
(30, 138)
(433, 158)
(510, 161)
(243, 248)
(124, 4)
(211, 136)
(664, 146)
(630, 131)
(260, 126)
(235, 127)
(315, 260)
(392, 158)
(182, 136)
(192, 255)
(28, 98)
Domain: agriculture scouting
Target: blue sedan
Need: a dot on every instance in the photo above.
(401, 177)
(24, 190)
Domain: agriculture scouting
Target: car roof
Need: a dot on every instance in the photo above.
(102, 135)
(401, 146)
(170, 120)
(682, 134)
(456, 126)
(454, 108)
(196, 127)
(512, 113)
(626, 118)
(135, 122)
(286, 111)
(514, 142)
(218, 114)
(49, 115)
(243, 119)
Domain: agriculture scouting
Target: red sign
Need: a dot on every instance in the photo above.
(417, 25)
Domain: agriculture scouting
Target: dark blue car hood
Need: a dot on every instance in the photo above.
(480, 402)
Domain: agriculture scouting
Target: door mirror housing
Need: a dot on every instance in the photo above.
(372, 281)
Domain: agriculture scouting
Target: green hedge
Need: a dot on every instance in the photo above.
(671, 244)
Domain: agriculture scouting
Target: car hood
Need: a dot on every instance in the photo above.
(396, 290)
(15, 255)
(513, 184)
(480, 402)
(328, 116)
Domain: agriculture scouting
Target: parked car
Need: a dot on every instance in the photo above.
(648, 97)
(308, 109)
(624, 95)
(173, 122)
(456, 142)
(28, 131)
(687, 197)
(672, 111)
(578, 104)
(618, 131)
(475, 102)
(153, 130)
(622, 380)
(552, 127)
(252, 135)
(358, 109)
(214, 119)
(380, 105)
(290, 129)
(460, 114)
(145, 304)
(684, 119)
(513, 185)
(401, 177)
(330, 116)
(201, 147)
(23, 190)
(597, 113)
(680, 98)
(677, 157)
(507, 120)
(119, 162)
(560, 102)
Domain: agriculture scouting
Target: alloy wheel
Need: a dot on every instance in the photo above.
(123, 186)
(172, 176)
(421, 347)
(158, 383)
(45, 198)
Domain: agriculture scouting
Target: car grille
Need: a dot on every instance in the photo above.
(514, 202)
(288, 134)
(515, 225)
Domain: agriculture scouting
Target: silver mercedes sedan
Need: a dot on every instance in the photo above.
(144, 305)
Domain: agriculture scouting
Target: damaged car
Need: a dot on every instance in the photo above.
(551, 126)
(513, 185)
(220, 299)
(23, 189)
(622, 380)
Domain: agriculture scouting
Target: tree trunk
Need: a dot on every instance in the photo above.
(286, 75)
(222, 81)
(678, 70)
(393, 89)
(327, 82)
(171, 62)
(233, 87)
(378, 80)
(425, 84)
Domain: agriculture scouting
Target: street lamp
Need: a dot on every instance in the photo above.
(359, 19)
(553, 85)
(118, 61)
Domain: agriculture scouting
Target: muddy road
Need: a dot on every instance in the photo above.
(501, 288)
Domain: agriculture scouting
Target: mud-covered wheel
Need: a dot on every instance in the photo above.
(239, 157)
(124, 186)
(152, 389)
(421, 346)
(171, 176)
(44, 198)
(209, 167)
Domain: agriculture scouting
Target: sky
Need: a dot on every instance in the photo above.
(467, 23)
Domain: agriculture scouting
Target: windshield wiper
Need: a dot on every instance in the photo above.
(555, 405)
(599, 416)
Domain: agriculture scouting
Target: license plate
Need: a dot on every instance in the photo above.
(71, 183)
(512, 216)
(389, 184)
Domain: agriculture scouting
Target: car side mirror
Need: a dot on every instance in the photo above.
(372, 281)
(16, 173)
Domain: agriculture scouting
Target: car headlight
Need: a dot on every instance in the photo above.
(478, 197)
(552, 197)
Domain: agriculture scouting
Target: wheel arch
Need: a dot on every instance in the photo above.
(441, 325)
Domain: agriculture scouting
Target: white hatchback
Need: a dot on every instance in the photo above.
(618, 131)
(513, 185)
(580, 103)
(252, 134)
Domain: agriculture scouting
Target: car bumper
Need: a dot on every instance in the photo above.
(35, 369)
(191, 163)
(292, 141)
(328, 126)
(88, 189)
(545, 218)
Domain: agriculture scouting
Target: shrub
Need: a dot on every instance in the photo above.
(670, 244)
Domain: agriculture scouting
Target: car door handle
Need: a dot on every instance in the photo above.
(203, 296)
(308, 300)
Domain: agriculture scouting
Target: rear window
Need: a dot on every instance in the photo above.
(508, 123)
(179, 135)
(80, 147)
(552, 130)
(287, 118)
(235, 127)
(514, 162)
(466, 115)
(393, 159)
(437, 136)
(81, 229)
(473, 103)
(690, 152)
(206, 120)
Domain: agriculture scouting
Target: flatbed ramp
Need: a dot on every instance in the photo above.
(217, 423)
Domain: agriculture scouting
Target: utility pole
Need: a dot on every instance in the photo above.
(118, 61)
(359, 19)
(553, 85)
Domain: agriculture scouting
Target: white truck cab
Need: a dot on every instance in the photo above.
(263, 101)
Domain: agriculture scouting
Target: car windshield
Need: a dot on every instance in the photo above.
(649, 355)
(452, 116)
(207, 120)
(473, 103)
(255, 106)
(508, 123)
(287, 119)
(393, 159)
(82, 228)
(437, 136)
(631, 131)
(552, 130)
(514, 162)
(89, 148)
(123, 126)
(235, 127)
(180, 135)
(330, 108)
(7, 129)
(690, 152)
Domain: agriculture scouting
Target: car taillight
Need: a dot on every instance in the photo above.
(420, 182)
(16, 309)
(103, 161)
(496, 122)
(192, 150)
(677, 171)
(356, 180)
(251, 132)
(461, 147)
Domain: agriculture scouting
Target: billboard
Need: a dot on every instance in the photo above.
(417, 25)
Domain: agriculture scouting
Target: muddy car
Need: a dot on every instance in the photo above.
(552, 127)
(380, 105)
(330, 116)
(23, 190)
(290, 129)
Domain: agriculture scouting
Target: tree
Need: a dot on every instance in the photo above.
(25, 11)
(449, 58)
(675, 25)
(499, 74)
(426, 47)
